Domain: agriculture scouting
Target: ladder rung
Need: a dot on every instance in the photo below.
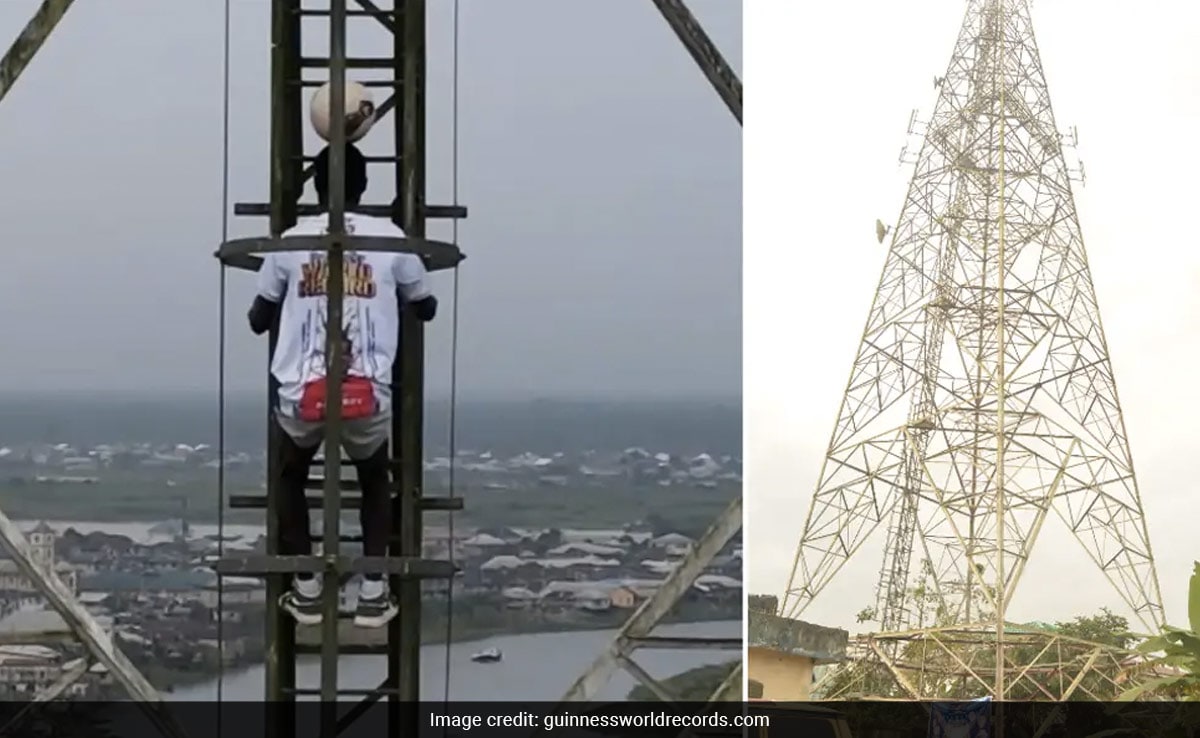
(369, 159)
(393, 464)
(354, 62)
(262, 209)
(402, 566)
(317, 538)
(345, 485)
(316, 692)
(348, 649)
(348, 502)
(392, 83)
(350, 13)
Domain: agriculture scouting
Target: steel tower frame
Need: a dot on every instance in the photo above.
(403, 565)
(982, 397)
(406, 20)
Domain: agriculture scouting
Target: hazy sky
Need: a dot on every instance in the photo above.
(602, 173)
(832, 86)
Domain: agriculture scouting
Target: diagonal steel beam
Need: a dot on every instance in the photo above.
(36, 31)
(386, 18)
(384, 108)
(50, 693)
(720, 75)
(85, 627)
(729, 690)
(653, 610)
(64, 681)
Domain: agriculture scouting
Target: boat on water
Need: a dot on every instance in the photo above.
(487, 656)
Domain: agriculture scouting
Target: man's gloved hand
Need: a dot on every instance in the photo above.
(425, 309)
(262, 315)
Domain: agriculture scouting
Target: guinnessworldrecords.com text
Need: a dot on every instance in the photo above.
(554, 721)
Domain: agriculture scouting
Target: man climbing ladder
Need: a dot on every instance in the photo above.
(378, 285)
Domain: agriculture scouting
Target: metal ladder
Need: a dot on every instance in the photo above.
(292, 78)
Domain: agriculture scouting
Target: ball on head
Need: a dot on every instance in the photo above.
(360, 111)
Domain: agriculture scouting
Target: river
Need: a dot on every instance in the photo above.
(535, 667)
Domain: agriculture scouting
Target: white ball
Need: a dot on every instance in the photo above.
(360, 111)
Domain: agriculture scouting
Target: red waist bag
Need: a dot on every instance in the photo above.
(358, 399)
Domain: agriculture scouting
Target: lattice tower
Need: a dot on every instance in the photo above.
(982, 396)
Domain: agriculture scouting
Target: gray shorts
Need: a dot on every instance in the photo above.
(361, 437)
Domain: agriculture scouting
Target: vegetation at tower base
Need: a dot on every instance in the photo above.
(1160, 667)
(957, 662)
(1173, 658)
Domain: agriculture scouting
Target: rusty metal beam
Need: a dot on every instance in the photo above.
(27, 45)
(718, 72)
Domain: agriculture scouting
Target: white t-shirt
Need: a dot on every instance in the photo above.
(371, 313)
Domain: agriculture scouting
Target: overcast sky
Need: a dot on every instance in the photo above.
(602, 173)
(822, 161)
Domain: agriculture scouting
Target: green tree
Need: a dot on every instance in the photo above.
(937, 672)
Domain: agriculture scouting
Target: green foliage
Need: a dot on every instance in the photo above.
(1174, 655)
(1106, 629)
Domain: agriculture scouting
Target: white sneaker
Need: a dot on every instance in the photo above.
(303, 601)
(375, 605)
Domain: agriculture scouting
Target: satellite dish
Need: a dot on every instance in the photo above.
(937, 82)
(881, 230)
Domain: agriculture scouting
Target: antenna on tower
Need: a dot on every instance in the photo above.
(1078, 173)
(1070, 141)
(915, 124)
(915, 128)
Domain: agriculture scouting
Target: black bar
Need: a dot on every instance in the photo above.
(385, 17)
(364, 82)
(386, 687)
(437, 212)
(335, 364)
(348, 649)
(404, 634)
(286, 140)
(307, 691)
(435, 254)
(307, 159)
(704, 52)
(404, 567)
(318, 62)
(349, 502)
(350, 13)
